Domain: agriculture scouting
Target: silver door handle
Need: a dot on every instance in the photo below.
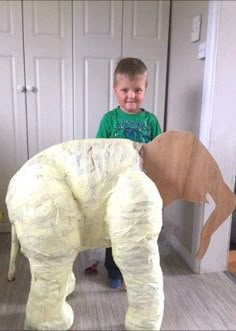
(20, 88)
(30, 88)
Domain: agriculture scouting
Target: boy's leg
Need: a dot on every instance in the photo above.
(113, 272)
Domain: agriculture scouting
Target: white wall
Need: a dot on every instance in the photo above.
(186, 72)
(185, 87)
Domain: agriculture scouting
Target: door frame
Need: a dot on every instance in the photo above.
(219, 245)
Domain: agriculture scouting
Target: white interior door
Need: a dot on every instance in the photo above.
(49, 72)
(145, 35)
(13, 137)
(97, 45)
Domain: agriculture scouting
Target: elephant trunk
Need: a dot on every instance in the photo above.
(225, 203)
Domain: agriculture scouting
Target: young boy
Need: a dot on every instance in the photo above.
(129, 121)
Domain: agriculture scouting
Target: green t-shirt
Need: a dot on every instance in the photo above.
(142, 127)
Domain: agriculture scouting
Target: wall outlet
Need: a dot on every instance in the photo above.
(201, 51)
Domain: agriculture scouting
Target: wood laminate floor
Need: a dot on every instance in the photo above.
(192, 301)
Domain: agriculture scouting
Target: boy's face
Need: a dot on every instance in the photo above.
(130, 93)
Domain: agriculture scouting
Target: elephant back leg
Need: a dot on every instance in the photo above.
(47, 225)
(46, 307)
(134, 219)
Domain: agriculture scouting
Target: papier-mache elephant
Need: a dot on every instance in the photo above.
(100, 193)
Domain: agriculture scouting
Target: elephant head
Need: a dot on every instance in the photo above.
(182, 168)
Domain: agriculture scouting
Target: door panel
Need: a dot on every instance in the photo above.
(48, 63)
(13, 141)
(93, 83)
(97, 45)
(146, 26)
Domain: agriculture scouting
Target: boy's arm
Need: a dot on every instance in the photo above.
(104, 128)
(156, 129)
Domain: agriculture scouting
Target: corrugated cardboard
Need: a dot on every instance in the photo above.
(182, 168)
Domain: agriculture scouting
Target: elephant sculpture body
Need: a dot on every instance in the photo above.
(101, 193)
(80, 195)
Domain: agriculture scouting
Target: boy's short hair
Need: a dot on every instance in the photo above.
(131, 67)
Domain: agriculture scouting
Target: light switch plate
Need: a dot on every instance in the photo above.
(196, 28)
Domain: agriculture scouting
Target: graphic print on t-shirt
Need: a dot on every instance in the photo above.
(133, 130)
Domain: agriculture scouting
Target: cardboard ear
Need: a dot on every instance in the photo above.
(182, 168)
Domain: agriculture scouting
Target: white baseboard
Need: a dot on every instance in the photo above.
(181, 250)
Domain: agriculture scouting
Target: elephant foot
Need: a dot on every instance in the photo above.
(70, 284)
(63, 322)
(148, 319)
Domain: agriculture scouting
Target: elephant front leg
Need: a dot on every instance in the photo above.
(50, 284)
(135, 220)
(140, 267)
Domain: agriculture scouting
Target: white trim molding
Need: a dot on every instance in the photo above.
(217, 127)
(209, 72)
